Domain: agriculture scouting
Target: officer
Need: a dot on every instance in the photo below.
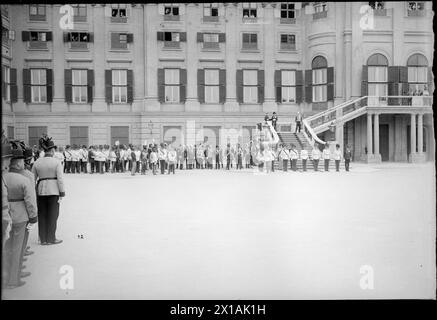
(50, 186)
(23, 210)
(347, 157)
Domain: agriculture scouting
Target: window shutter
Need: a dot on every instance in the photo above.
(130, 86)
(90, 37)
(26, 86)
(68, 87)
(160, 36)
(66, 37)
(183, 36)
(49, 36)
(239, 86)
(115, 40)
(278, 82)
(108, 86)
(403, 74)
(183, 86)
(128, 11)
(182, 9)
(330, 92)
(221, 11)
(130, 37)
(430, 81)
(161, 85)
(199, 37)
(299, 86)
(393, 88)
(13, 85)
(90, 85)
(393, 74)
(260, 86)
(49, 77)
(364, 78)
(222, 88)
(25, 35)
(222, 37)
(201, 85)
(330, 75)
(309, 86)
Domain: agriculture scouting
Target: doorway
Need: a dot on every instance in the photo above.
(384, 142)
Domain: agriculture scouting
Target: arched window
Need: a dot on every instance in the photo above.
(319, 68)
(417, 73)
(377, 75)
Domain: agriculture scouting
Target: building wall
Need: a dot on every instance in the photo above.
(338, 37)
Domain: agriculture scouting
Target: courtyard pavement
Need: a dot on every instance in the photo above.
(206, 234)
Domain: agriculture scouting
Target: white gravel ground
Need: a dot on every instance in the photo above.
(209, 234)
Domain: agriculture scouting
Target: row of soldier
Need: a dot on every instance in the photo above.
(31, 191)
(163, 157)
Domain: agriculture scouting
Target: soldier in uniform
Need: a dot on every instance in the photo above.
(23, 210)
(83, 159)
(347, 157)
(284, 155)
(294, 155)
(326, 157)
(337, 157)
(50, 187)
(315, 155)
(6, 217)
(304, 157)
(68, 156)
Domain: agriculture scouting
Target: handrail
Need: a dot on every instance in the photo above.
(310, 134)
(341, 105)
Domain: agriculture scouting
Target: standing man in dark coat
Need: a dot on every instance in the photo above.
(298, 121)
(274, 120)
(50, 187)
(347, 157)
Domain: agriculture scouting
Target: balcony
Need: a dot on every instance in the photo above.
(288, 21)
(320, 15)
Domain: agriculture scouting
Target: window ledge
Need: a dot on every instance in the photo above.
(171, 49)
(287, 51)
(39, 103)
(211, 50)
(119, 50)
(250, 50)
(36, 49)
(78, 50)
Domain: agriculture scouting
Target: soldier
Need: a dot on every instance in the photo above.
(217, 157)
(294, 155)
(171, 158)
(143, 157)
(239, 157)
(23, 210)
(228, 156)
(284, 155)
(315, 155)
(92, 156)
(58, 155)
(50, 187)
(304, 157)
(274, 120)
(6, 217)
(75, 159)
(137, 159)
(337, 157)
(347, 157)
(83, 159)
(67, 156)
(326, 156)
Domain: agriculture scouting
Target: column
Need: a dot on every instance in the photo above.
(192, 14)
(270, 104)
(377, 155)
(369, 137)
(99, 53)
(347, 80)
(420, 133)
(413, 136)
(231, 104)
(58, 56)
(137, 13)
(152, 46)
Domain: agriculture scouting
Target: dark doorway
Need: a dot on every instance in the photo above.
(383, 142)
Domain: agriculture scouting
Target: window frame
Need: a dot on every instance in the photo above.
(37, 16)
(377, 83)
(122, 88)
(252, 87)
(175, 87)
(287, 10)
(77, 16)
(42, 87)
(83, 88)
(291, 46)
(211, 6)
(212, 87)
(416, 66)
(247, 7)
(288, 86)
(249, 45)
(7, 81)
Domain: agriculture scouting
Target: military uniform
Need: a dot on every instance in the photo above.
(284, 156)
(347, 158)
(326, 158)
(294, 155)
(50, 186)
(315, 155)
(23, 209)
(304, 157)
(337, 159)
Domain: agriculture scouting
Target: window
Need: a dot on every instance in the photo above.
(79, 39)
(250, 86)
(172, 82)
(118, 11)
(120, 134)
(250, 41)
(288, 86)
(377, 5)
(249, 10)
(120, 40)
(171, 12)
(210, 40)
(79, 86)
(7, 83)
(416, 8)
(38, 36)
(35, 134)
(11, 133)
(212, 88)
(288, 42)
(79, 12)
(287, 11)
(119, 86)
(377, 75)
(210, 11)
(172, 39)
(38, 81)
(417, 73)
(37, 12)
(320, 10)
(320, 79)
(38, 40)
(79, 136)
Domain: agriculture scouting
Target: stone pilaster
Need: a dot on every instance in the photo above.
(232, 46)
(269, 104)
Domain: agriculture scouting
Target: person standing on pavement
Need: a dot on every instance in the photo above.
(326, 156)
(298, 120)
(50, 188)
(315, 155)
(294, 155)
(347, 157)
(337, 157)
(23, 210)
(284, 155)
(6, 217)
(274, 120)
(68, 159)
(162, 156)
(304, 157)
